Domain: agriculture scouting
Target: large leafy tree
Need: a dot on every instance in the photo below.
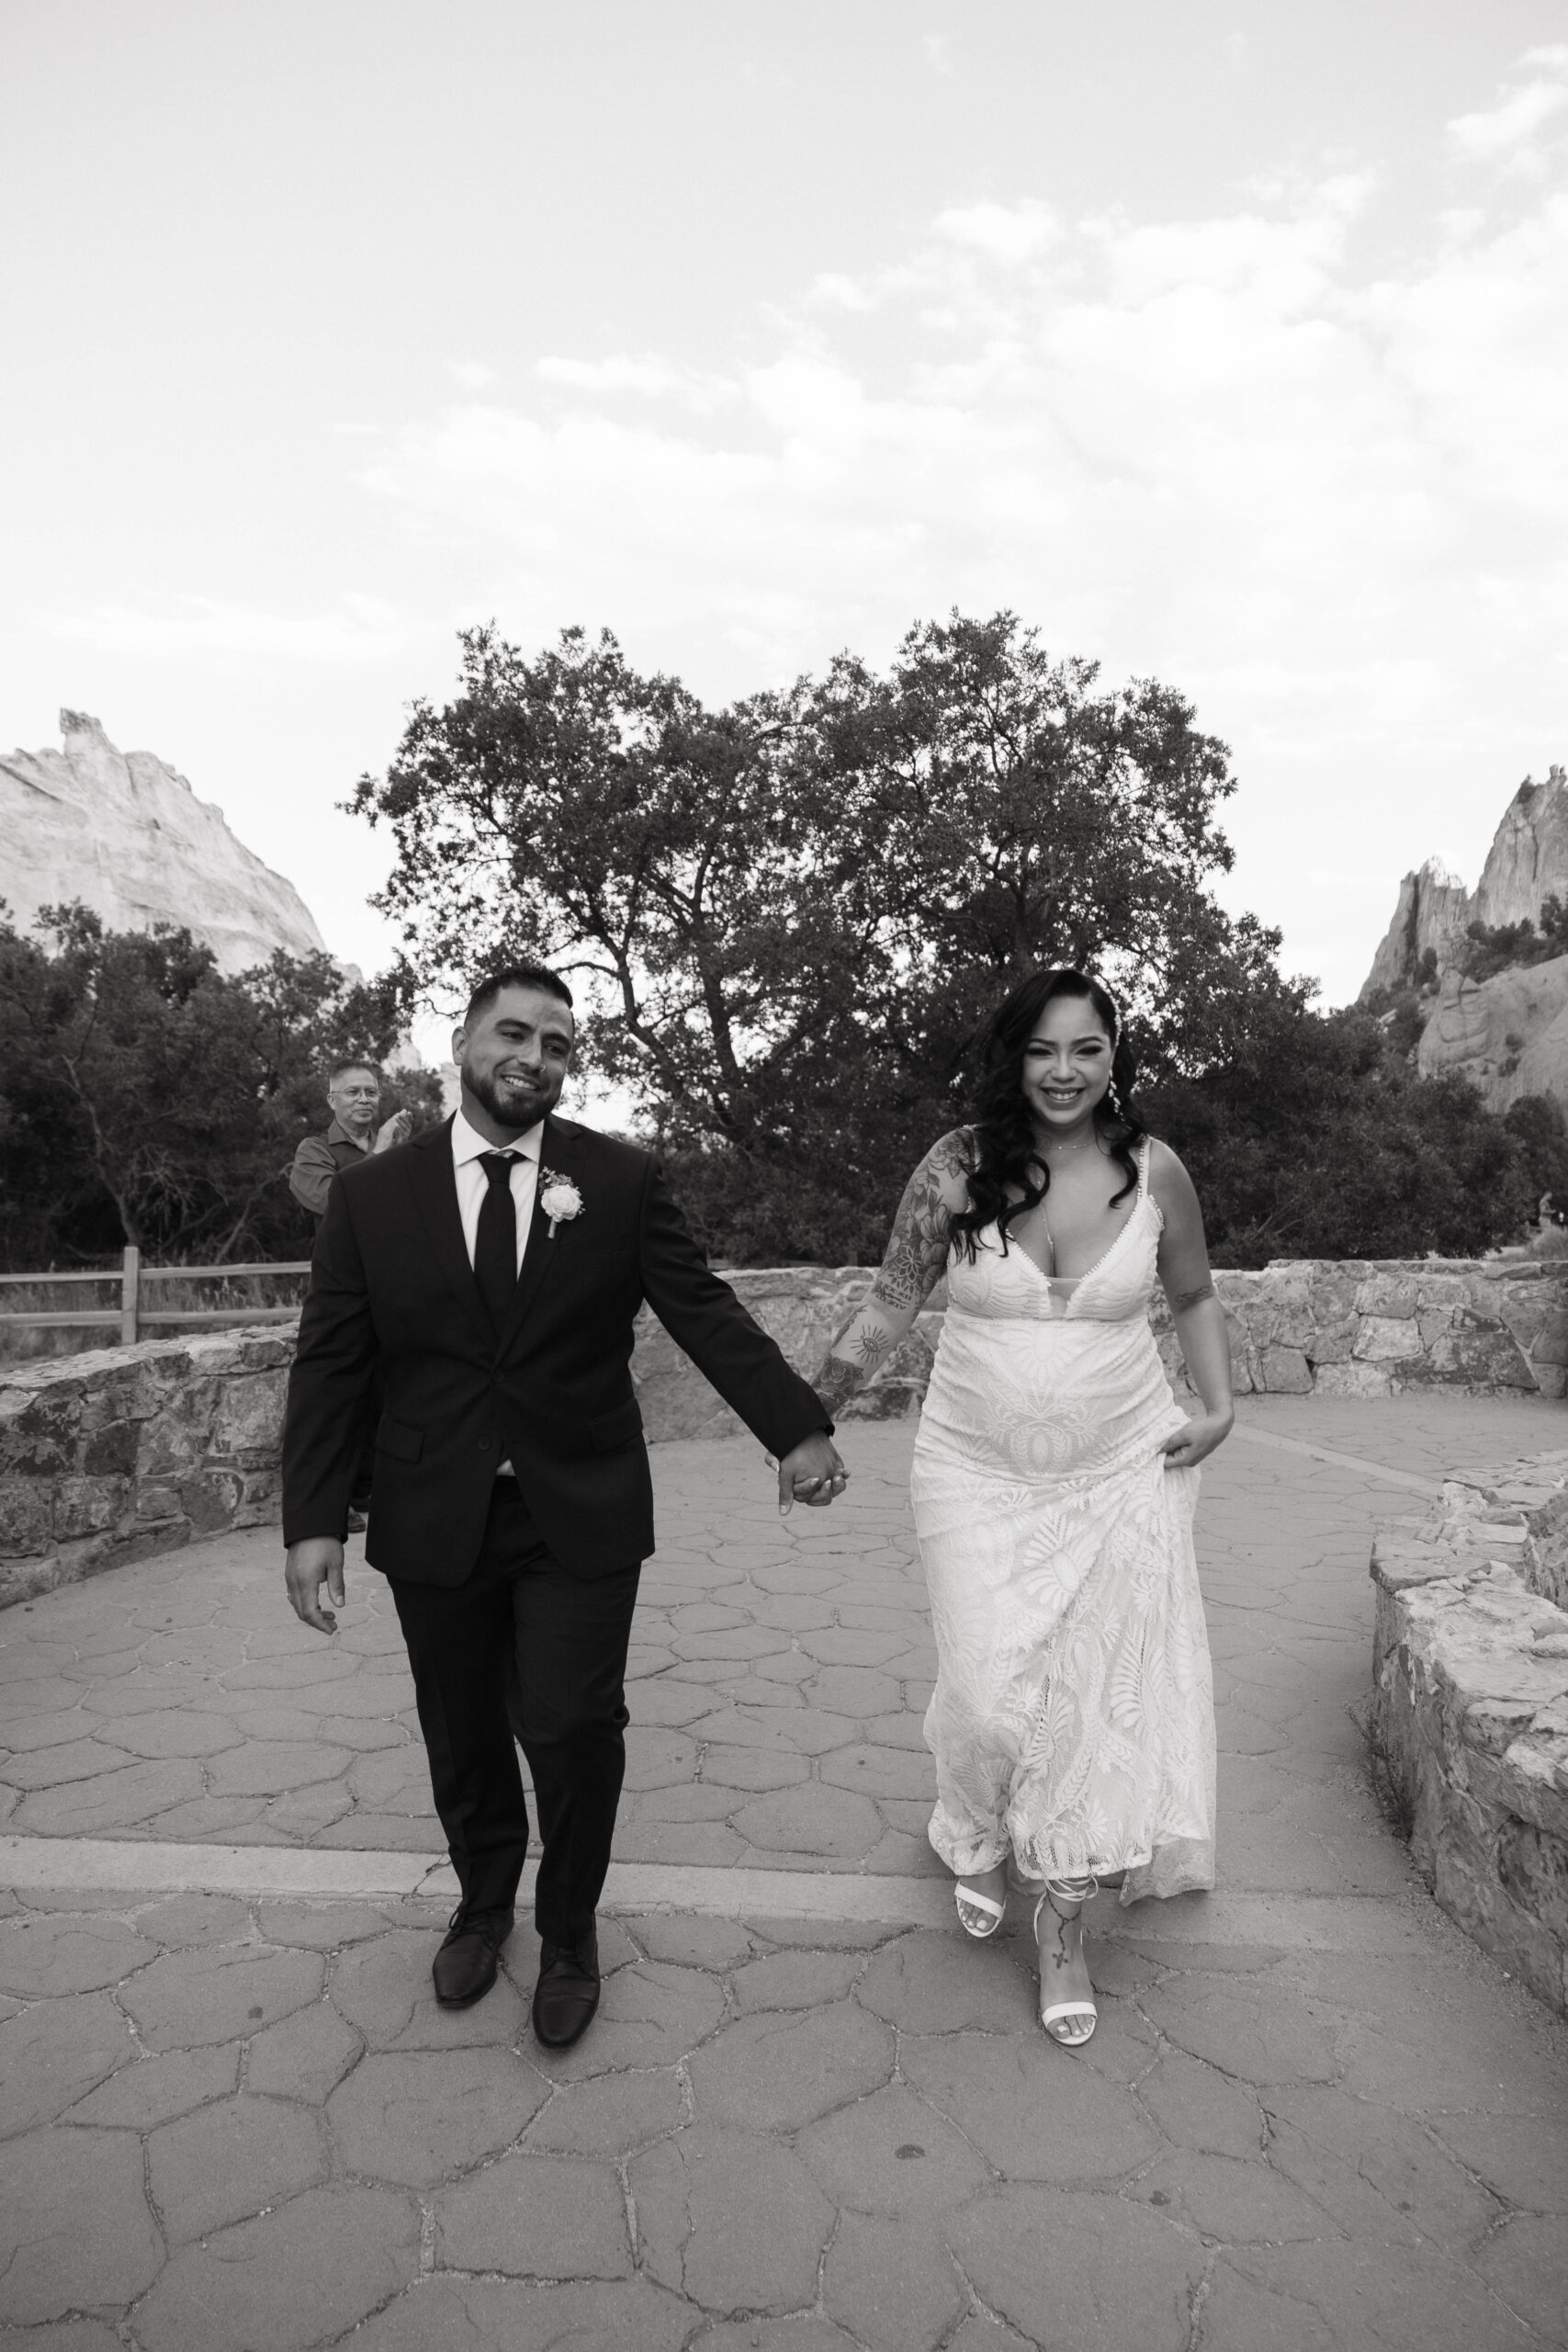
(795, 914)
(570, 809)
(145, 1097)
(1010, 813)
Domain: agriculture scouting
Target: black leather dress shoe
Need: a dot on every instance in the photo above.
(464, 1968)
(567, 1990)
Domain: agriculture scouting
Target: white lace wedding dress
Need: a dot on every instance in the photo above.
(1072, 1721)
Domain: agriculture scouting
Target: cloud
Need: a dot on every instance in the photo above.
(1329, 506)
(362, 629)
(1508, 134)
(836, 289)
(1007, 233)
(620, 374)
(472, 374)
(644, 378)
(1204, 438)
(937, 51)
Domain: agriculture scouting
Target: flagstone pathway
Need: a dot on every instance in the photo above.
(810, 2115)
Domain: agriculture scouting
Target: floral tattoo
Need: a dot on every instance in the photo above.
(916, 1248)
(915, 1261)
(836, 1381)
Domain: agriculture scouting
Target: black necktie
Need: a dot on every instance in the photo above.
(495, 1243)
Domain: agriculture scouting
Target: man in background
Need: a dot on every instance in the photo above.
(353, 1091)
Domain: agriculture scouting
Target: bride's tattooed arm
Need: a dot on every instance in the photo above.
(913, 1265)
(916, 1248)
(836, 1378)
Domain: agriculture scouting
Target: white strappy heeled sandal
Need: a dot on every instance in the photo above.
(970, 1896)
(1078, 1892)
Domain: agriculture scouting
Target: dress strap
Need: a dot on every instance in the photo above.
(1144, 1151)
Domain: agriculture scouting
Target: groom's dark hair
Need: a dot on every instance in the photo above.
(514, 976)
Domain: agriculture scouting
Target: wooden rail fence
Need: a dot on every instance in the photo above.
(130, 1319)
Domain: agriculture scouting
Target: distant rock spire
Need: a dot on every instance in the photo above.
(1527, 864)
(1507, 1035)
(125, 833)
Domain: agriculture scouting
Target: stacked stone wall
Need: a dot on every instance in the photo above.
(1470, 1710)
(1371, 1328)
(120, 1452)
(126, 1452)
(1355, 1328)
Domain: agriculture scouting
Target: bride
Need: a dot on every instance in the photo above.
(1055, 1484)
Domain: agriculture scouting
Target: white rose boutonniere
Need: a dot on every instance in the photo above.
(559, 1199)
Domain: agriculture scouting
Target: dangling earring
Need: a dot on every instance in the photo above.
(1114, 1099)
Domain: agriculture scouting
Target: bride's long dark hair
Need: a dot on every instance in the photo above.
(1003, 1131)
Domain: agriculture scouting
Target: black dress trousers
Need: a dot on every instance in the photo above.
(523, 1647)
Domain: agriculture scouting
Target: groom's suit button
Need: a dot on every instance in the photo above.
(484, 1444)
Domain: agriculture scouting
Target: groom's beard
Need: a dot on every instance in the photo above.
(521, 1107)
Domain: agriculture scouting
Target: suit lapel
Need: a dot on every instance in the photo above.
(434, 1182)
(560, 1152)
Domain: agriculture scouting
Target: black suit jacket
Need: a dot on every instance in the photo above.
(392, 1285)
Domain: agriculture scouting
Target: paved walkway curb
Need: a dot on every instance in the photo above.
(1281, 1922)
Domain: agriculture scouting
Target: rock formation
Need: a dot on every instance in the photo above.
(1527, 862)
(1433, 910)
(1507, 1034)
(125, 833)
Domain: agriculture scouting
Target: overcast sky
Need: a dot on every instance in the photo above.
(1227, 344)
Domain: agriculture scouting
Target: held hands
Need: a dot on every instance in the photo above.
(314, 1561)
(1186, 1447)
(812, 1473)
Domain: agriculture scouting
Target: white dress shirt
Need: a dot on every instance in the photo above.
(468, 1145)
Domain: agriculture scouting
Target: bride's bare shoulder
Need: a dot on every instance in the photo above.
(1168, 1179)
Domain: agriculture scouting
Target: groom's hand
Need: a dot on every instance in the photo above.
(315, 1561)
(812, 1473)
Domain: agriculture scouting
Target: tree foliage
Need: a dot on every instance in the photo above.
(794, 917)
(145, 1097)
(1402, 1011)
(1013, 815)
(795, 914)
(1317, 1139)
(1498, 947)
(1542, 1133)
(569, 809)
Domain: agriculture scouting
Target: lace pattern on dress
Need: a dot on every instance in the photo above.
(1072, 1721)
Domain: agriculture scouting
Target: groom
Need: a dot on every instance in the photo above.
(491, 1270)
